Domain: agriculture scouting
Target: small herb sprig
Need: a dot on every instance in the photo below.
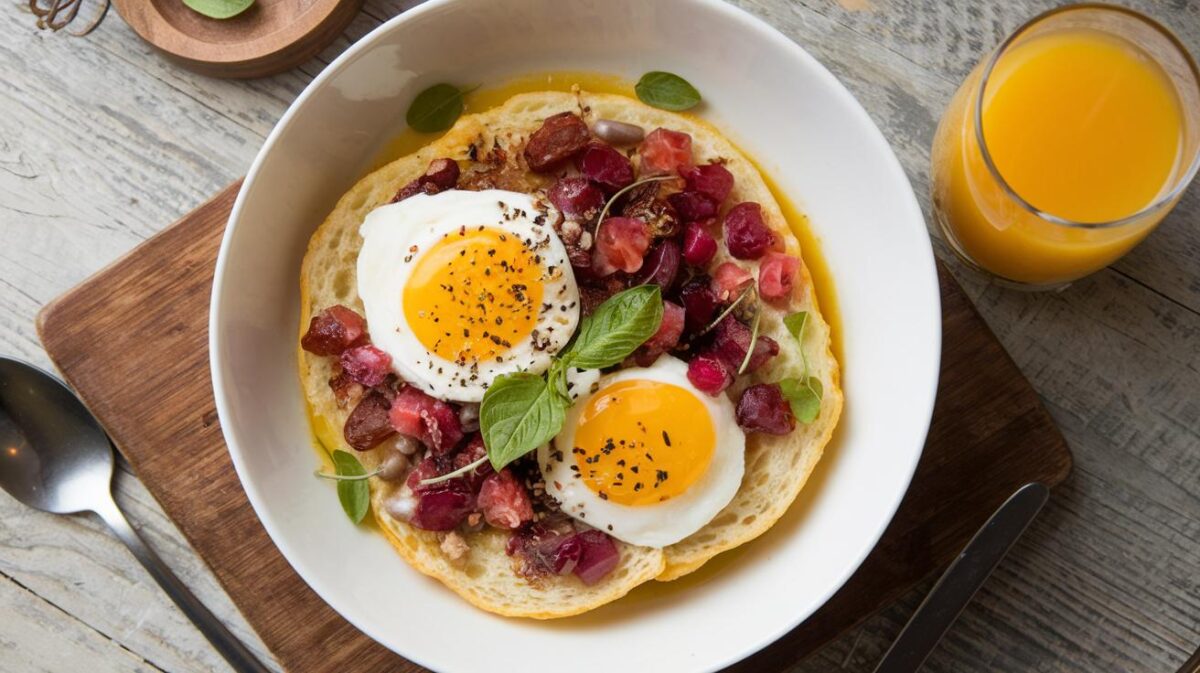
(804, 393)
(436, 108)
(522, 411)
(667, 91)
(623, 191)
(352, 489)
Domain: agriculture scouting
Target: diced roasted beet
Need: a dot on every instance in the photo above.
(604, 165)
(729, 280)
(428, 468)
(333, 330)
(443, 506)
(666, 338)
(620, 245)
(746, 233)
(504, 501)
(731, 338)
(699, 246)
(693, 206)
(661, 266)
(699, 301)
(473, 451)
(545, 550)
(708, 373)
(576, 197)
(430, 420)
(598, 558)
(763, 408)
(442, 174)
(560, 138)
(713, 180)
(368, 424)
(665, 151)
(777, 275)
(366, 364)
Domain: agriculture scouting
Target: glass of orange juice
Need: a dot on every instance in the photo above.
(1067, 145)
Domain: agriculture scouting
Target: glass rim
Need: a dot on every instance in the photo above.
(1159, 203)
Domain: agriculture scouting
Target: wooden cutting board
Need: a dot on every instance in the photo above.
(144, 319)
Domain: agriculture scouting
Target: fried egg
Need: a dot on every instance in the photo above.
(461, 287)
(646, 457)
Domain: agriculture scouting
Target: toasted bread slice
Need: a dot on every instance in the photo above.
(776, 467)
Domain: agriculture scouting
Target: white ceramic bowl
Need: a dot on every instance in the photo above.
(770, 97)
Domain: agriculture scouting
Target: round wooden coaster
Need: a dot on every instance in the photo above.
(269, 37)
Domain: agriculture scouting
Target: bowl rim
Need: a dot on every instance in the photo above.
(924, 399)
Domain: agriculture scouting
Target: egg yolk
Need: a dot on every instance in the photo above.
(642, 442)
(473, 295)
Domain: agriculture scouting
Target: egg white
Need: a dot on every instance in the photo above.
(667, 522)
(394, 238)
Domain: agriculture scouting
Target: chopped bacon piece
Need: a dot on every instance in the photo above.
(430, 420)
(777, 275)
(605, 166)
(713, 180)
(560, 137)
(598, 558)
(366, 364)
(763, 408)
(576, 197)
(746, 233)
(504, 501)
(699, 246)
(442, 174)
(665, 151)
(731, 338)
(333, 330)
(729, 280)
(368, 424)
(621, 244)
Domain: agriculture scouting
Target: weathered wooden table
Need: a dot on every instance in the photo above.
(102, 143)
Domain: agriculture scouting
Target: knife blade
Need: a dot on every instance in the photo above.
(962, 579)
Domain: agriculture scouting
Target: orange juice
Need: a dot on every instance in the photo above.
(1083, 128)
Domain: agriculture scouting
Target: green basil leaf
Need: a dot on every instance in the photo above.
(219, 9)
(805, 397)
(667, 91)
(519, 413)
(617, 328)
(435, 109)
(795, 323)
(355, 495)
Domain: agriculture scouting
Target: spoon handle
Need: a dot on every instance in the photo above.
(237, 654)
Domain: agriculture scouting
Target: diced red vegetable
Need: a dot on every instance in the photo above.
(561, 137)
(729, 280)
(430, 420)
(666, 338)
(546, 551)
(693, 206)
(731, 338)
(746, 233)
(598, 558)
(763, 408)
(473, 451)
(709, 374)
(777, 275)
(699, 301)
(576, 197)
(333, 330)
(504, 501)
(605, 166)
(366, 364)
(620, 245)
(428, 468)
(699, 246)
(713, 180)
(665, 151)
(368, 424)
(442, 506)
(661, 266)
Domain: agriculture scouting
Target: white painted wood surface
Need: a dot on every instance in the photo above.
(102, 143)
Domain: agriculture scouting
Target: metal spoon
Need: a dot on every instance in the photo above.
(54, 456)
